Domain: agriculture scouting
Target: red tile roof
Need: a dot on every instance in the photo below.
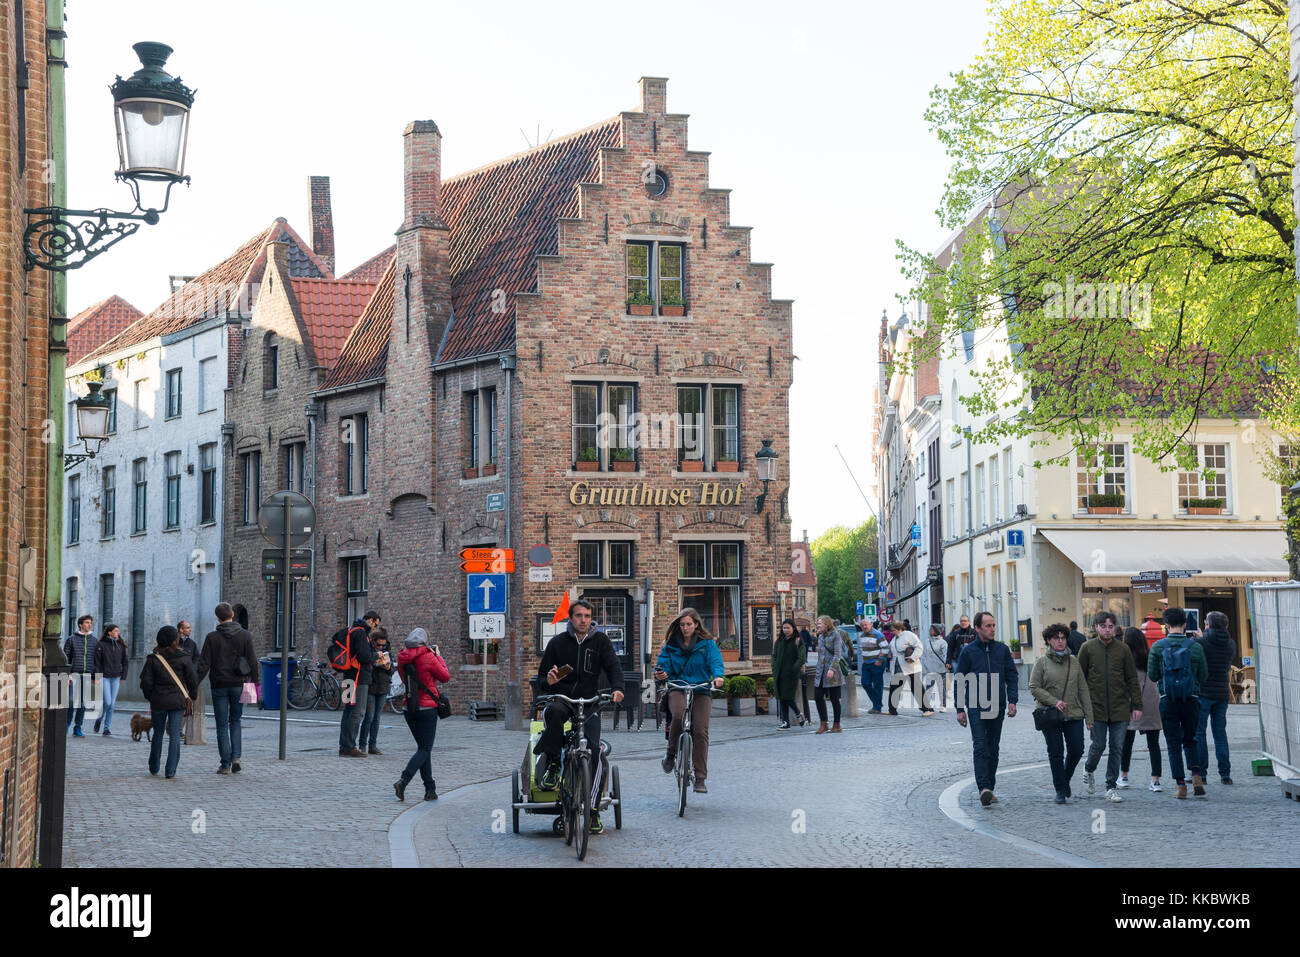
(372, 270)
(806, 579)
(504, 216)
(95, 325)
(329, 309)
(365, 353)
(230, 283)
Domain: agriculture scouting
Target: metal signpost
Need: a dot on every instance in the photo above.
(286, 520)
(485, 600)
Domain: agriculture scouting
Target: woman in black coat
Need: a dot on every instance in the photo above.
(788, 658)
(168, 680)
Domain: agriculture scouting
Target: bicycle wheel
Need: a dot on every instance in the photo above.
(516, 797)
(568, 809)
(616, 793)
(398, 703)
(302, 692)
(331, 692)
(582, 817)
(684, 774)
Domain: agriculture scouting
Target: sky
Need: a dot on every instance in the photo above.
(813, 113)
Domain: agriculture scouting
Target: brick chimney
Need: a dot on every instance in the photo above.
(654, 95)
(322, 221)
(422, 174)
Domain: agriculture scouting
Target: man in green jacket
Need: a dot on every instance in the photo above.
(1111, 675)
(1177, 664)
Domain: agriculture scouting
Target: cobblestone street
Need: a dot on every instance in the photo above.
(889, 791)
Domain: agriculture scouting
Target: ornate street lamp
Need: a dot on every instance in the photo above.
(766, 471)
(152, 114)
(92, 425)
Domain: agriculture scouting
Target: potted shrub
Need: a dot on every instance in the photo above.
(1107, 504)
(588, 460)
(1205, 506)
(640, 305)
(692, 465)
(720, 700)
(672, 306)
(727, 465)
(740, 696)
(473, 656)
(471, 473)
(486, 470)
(730, 648)
(491, 652)
(624, 460)
(1015, 648)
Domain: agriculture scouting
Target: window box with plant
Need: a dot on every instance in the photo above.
(740, 696)
(471, 473)
(486, 470)
(728, 465)
(623, 460)
(588, 460)
(640, 305)
(491, 652)
(1105, 503)
(473, 656)
(730, 648)
(1205, 506)
(671, 305)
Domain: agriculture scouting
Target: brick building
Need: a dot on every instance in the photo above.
(501, 389)
(95, 325)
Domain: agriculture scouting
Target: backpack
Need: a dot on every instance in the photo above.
(339, 651)
(1176, 668)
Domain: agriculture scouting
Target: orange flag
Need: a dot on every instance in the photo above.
(562, 612)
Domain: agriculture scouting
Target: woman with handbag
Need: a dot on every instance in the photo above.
(421, 668)
(830, 677)
(169, 683)
(1064, 706)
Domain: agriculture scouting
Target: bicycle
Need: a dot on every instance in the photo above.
(312, 687)
(686, 743)
(396, 700)
(582, 787)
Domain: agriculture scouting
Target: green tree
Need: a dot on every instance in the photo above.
(1132, 152)
(839, 556)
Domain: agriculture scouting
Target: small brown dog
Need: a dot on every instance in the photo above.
(141, 724)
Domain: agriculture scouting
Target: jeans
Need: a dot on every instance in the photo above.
(171, 722)
(1216, 714)
(821, 695)
(1107, 736)
(350, 723)
(915, 682)
(701, 711)
(986, 736)
(1153, 749)
(553, 718)
(1180, 719)
(873, 682)
(423, 725)
(79, 691)
(1064, 749)
(110, 686)
(370, 723)
(228, 711)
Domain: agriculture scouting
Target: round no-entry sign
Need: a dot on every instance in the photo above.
(539, 555)
(302, 519)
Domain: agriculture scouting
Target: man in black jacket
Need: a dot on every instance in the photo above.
(588, 652)
(1076, 639)
(79, 649)
(356, 684)
(960, 636)
(228, 660)
(1220, 651)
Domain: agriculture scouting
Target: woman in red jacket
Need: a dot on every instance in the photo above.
(421, 668)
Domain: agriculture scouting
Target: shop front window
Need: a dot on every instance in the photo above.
(1118, 603)
(709, 582)
(611, 617)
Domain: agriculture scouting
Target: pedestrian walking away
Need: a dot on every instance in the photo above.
(421, 668)
(1064, 707)
(961, 635)
(788, 659)
(194, 726)
(1149, 724)
(381, 682)
(873, 664)
(227, 659)
(691, 655)
(830, 649)
(1177, 663)
(110, 664)
(986, 656)
(79, 649)
(1220, 651)
(1111, 676)
(907, 649)
(1077, 638)
(355, 677)
(934, 668)
(168, 682)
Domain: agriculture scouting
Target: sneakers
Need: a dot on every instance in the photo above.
(1182, 792)
(700, 786)
(596, 826)
(783, 726)
(993, 799)
(875, 711)
(1122, 783)
(927, 714)
(1112, 794)
(1198, 785)
(802, 720)
(78, 733)
(108, 734)
(1089, 782)
(375, 750)
(986, 797)
(667, 765)
(223, 770)
(400, 787)
(550, 778)
(234, 766)
(1223, 780)
(1155, 787)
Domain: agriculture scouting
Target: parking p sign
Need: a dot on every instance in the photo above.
(869, 580)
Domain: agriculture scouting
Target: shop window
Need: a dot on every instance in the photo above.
(610, 615)
(709, 576)
(1118, 603)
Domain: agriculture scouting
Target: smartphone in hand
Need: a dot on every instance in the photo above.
(563, 671)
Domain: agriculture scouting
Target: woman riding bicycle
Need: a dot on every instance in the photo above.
(690, 654)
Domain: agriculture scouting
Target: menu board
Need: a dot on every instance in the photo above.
(762, 620)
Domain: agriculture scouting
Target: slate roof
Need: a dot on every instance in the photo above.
(372, 270)
(95, 325)
(329, 309)
(502, 217)
(212, 291)
(364, 354)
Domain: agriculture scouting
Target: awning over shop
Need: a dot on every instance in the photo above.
(1229, 556)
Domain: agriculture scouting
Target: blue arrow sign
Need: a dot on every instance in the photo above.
(869, 580)
(1015, 538)
(485, 594)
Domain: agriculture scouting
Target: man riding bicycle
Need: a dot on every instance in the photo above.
(582, 652)
(691, 655)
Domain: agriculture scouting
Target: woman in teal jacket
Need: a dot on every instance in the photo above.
(691, 655)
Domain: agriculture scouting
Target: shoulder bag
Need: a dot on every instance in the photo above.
(413, 678)
(189, 702)
(1049, 719)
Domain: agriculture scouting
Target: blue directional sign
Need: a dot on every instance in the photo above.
(1016, 538)
(869, 580)
(485, 594)
(916, 534)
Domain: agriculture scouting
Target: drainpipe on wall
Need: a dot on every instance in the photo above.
(970, 531)
(312, 410)
(514, 701)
